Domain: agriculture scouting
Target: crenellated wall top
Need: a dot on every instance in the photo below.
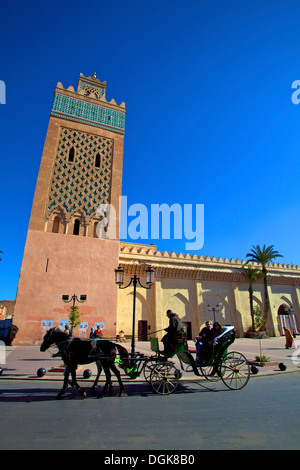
(89, 105)
(193, 265)
(91, 88)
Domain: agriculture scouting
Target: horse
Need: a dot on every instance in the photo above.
(76, 351)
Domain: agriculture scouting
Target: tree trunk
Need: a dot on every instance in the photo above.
(251, 307)
(266, 299)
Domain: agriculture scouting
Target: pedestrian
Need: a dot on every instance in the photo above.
(174, 332)
(98, 333)
(289, 339)
(122, 336)
(67, 329)
(92, 332)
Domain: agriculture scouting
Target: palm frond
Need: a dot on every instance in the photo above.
(263, 255)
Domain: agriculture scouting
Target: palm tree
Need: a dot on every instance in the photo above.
(252, 275)
(264, 256)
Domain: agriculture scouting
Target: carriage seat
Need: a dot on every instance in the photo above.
(185, 345)
(222, 342)
(155, 347)
(228, 336)
(182, 345)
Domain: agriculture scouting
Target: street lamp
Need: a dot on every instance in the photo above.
(214, 310)
(119, 280)
(67, 299)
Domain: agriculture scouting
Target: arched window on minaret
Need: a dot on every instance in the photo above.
(71, 154)
(97, 160)
(95, 230)
(76, 227)
(56, 222)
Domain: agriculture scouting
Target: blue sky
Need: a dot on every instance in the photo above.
(207, 86)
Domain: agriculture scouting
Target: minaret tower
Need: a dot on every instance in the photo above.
(81, 168)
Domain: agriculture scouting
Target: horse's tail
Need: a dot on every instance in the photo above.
(123, 354)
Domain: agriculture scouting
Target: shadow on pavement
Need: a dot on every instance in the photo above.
(36, 394)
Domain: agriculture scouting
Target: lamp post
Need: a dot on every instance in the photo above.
(73, 320)
(214, 310)
(119, 280)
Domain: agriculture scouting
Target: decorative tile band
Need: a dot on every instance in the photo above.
(88, 113)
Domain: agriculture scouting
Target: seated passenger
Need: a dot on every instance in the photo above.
(217, 330)
(202, 341)
(207, 348)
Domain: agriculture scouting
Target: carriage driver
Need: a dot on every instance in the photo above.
(174, 331)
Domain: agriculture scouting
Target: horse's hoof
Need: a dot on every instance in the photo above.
(100, 396)
(58, 397)
(121, 394)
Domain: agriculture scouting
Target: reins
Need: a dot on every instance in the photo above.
(69, 340)
(113, 338)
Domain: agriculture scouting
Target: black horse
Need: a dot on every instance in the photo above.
(76, 351)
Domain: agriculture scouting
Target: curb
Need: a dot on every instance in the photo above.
(133, 381)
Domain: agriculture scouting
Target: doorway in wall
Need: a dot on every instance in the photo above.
(287, 319)
(142, 330)
(188, 329)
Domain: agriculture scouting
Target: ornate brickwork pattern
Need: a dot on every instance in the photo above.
(88, 113)
(80, 185)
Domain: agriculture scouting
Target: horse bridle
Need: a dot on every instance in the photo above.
(57, 344)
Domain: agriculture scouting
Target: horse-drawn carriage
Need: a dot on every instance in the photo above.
(160, 370)
(163, 373)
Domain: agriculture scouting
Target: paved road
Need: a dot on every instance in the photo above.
(22, 362)
(264, 415)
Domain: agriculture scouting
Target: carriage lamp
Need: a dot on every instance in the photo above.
(119, 280)
(215, 310)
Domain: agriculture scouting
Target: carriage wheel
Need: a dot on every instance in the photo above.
(206, 371)
(234, 370)
(164, 378)
(149, 366)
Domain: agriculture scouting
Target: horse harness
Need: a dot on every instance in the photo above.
(95, 352)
